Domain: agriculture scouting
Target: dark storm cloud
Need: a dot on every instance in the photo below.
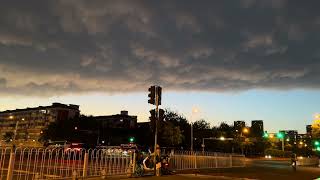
(75, 46)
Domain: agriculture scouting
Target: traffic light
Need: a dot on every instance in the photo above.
(153, 119)
(161, 115)
(280, 135)
(159, 92)
(265, 135)
(316, 143)
(131, 139)
(152, 114)
(152, 95)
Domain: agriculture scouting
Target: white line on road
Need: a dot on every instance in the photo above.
(209, 176)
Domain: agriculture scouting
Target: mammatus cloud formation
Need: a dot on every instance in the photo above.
(55, 47)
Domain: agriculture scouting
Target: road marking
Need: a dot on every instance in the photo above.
(210, 176)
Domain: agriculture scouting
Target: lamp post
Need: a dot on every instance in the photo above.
(244, 130)
(16, 128)
(194, 111)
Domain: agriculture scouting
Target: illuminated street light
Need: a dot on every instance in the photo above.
(10, 117)
(288, 139)
(245, 130)
(300, 142)
(194, 111)
(222, 138)
(22, 119)
(76, 128)
(271, 135)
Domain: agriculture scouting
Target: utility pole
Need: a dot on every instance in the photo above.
(156, 132)
(155, 99)
(191, 137)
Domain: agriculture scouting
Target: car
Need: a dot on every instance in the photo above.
(74, 147)
(268, 156)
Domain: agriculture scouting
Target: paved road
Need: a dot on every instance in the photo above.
(257, 169)
(177, 177)
(268, 170)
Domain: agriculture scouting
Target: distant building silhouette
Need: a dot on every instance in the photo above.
(239, 125)
(122, 120)
(309, 130)
(256, 129)
(290, 135)
(30, 122)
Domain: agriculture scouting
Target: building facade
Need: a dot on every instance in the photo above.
(309, 130)
(122, 120)
(239, 125)
(256, 129)
(28, 124)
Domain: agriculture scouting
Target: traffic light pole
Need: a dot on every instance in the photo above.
(156, 131)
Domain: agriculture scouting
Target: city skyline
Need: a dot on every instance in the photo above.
(243, 60)
(271, 125)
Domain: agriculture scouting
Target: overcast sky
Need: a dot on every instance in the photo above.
(218, 51)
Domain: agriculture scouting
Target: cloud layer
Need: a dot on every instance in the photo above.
(56, 47)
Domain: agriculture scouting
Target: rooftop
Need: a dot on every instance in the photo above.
(54, 105)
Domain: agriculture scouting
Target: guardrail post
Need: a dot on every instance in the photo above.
(195, 160)
(103, 174)
(216, 159)
(11, 166)
(74, 175)
(85, 164)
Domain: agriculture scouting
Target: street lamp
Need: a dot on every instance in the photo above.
(245, 130)
(16, 128)
(194, 111)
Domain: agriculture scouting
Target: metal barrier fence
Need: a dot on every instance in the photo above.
(31, 163)
(184, 160)
(60, 163)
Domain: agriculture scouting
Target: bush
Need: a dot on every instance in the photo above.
(277, 153)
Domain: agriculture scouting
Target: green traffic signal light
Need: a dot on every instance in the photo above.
(318, 148)
(265, 135)
(316, 143)
(280, 135)
(131, 139)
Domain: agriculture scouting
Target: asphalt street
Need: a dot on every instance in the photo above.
(268, 170)
(256, 169)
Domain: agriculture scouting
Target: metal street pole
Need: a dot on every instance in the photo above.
(156, 130)
(15, 131)
(282, 143)
(203, 145)
(191, 136)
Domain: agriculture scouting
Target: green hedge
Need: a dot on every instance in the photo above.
(277, 153)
